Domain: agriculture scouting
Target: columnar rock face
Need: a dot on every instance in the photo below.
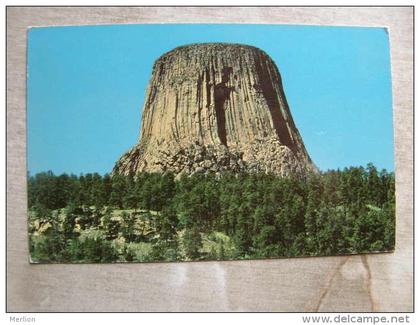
(216, 107)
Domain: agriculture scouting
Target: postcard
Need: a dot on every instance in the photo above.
(191, 142)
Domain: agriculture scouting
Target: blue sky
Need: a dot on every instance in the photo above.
(86, 87)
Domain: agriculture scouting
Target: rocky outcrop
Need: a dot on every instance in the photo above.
(215, 107)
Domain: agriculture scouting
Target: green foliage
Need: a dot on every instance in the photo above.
(151, 216)
(217, 246)
(138, 252)
(118, 191)
(191, 241)
(127, 227)
(92, 247)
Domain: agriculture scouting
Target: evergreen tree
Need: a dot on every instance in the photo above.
(243, 215)
(192, 243)
(118, 191)
(127, 227)
(97, 192)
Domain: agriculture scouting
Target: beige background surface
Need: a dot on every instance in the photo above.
(376, 282)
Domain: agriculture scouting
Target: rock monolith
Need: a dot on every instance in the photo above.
(216, 107)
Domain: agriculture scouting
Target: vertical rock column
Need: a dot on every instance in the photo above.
(216, 107)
